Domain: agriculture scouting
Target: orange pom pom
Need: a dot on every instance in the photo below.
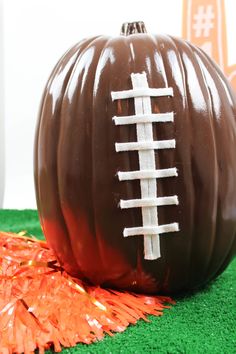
(41, 305)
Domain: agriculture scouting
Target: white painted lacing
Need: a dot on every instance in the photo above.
(147, 173)
(144, 118)
(145, 145)
(142, 92)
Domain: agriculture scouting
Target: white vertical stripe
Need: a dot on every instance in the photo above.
(146, 162)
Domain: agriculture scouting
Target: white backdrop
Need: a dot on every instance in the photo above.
(36, 33)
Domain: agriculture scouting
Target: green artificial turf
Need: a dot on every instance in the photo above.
(203, 322)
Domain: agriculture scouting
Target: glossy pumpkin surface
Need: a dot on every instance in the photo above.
(76, 164)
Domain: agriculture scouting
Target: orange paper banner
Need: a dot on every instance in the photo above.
(204, 24)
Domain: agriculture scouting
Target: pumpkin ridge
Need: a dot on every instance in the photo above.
(216, 173)
(39, 124)
(80, 50)
(231, 251)
(129, 45)
(188, 56)
(58, 118)
(71, 238)
(186, 111)
(139, 269)
(212, 144)
(98, 240)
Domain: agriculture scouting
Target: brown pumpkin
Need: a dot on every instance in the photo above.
(178, 147)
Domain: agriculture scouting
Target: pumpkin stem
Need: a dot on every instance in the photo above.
(132, 28)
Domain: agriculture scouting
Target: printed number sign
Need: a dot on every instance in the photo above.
(204, 24)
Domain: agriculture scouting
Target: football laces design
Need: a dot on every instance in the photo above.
(148, 174)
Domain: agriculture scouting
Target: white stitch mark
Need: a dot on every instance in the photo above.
(142, 92)
(131, 175)
(144, 118)
(148, 202)
(151, 230)
(145, 145)
(148, 174)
